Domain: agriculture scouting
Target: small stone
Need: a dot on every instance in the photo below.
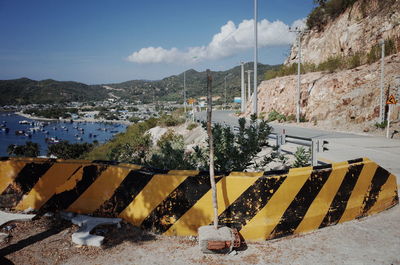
(9, 227)
(3, 237)
(67, 215)
(366, 129)
(233, 253)
(192, 238)
(29, 210)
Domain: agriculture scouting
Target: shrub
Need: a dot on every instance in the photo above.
(374, 54)
(170, 153)
(331, 64)
(355, 60)
(273, 115)
(381, 125)
(302, 157)
(291, 117)
(191, 126)
(170, 120)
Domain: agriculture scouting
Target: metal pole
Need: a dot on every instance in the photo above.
(381, 110)
(225, 91)
(249, 84)
(184, 91)
(388, 122)
(298, 80)
(255, 59)
(243, 93)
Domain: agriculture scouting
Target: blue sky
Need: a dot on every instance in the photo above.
(104, 41)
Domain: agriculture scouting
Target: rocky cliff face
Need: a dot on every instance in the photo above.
(356, 30)
(346, 97)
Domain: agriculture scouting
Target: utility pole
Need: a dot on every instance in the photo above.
(243, 92)
(298, 95)
(255, 59)
(211, 144)
(225, 90)
(249, 84)
(381, 109)
(184, 91)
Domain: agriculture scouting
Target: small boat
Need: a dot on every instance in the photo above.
(24, 122)
(52, 140)
(19, 132)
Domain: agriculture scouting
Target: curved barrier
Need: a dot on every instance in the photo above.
(261, 205)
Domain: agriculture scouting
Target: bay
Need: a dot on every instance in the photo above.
(37, 131)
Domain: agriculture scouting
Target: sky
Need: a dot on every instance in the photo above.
(106, 41)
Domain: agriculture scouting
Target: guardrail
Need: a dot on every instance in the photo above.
(316, 145)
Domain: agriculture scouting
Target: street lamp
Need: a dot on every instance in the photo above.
(299, 35)
(381, 110)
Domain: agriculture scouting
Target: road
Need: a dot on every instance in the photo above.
(342, 146)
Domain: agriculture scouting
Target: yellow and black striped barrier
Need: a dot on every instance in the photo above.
(261, 205)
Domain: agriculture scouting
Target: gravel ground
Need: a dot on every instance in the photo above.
(371, 240)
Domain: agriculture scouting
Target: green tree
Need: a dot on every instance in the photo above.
(65, 150)
(29, 149)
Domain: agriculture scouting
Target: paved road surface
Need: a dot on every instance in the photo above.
(342, 146)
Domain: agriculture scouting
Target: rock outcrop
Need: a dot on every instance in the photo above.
(346, 97)
(356, 30)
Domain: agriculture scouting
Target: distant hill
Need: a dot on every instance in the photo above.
(26, 91)
(170, 88)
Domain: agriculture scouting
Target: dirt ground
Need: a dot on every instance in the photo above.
(371, 240)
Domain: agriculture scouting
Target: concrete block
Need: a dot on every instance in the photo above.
(87, 224)
(7, 217)
(220, 240)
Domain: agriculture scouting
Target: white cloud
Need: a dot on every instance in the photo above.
(230, 40)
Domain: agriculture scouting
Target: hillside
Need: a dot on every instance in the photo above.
(26, 91)
(343, 98)
(337, 32)
(170, 88)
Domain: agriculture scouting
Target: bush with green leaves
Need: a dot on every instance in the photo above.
(237, 151)
(168, 120)
(381, 125)
(170, 153)
(302, 157)
(191, 126)
(29, 149)
(65, 150)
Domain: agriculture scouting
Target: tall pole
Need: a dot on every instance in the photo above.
(255, 59)
(184, 91)
(381, 110)
(298, 79)
(249, 84)
(211, 144)
(225, 91)
(243, 93)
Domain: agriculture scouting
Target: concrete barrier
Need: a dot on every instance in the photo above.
(260, 205)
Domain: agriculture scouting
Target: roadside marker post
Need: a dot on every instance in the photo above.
(391, 101)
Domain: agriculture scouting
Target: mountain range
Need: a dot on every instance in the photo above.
(26, 91)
